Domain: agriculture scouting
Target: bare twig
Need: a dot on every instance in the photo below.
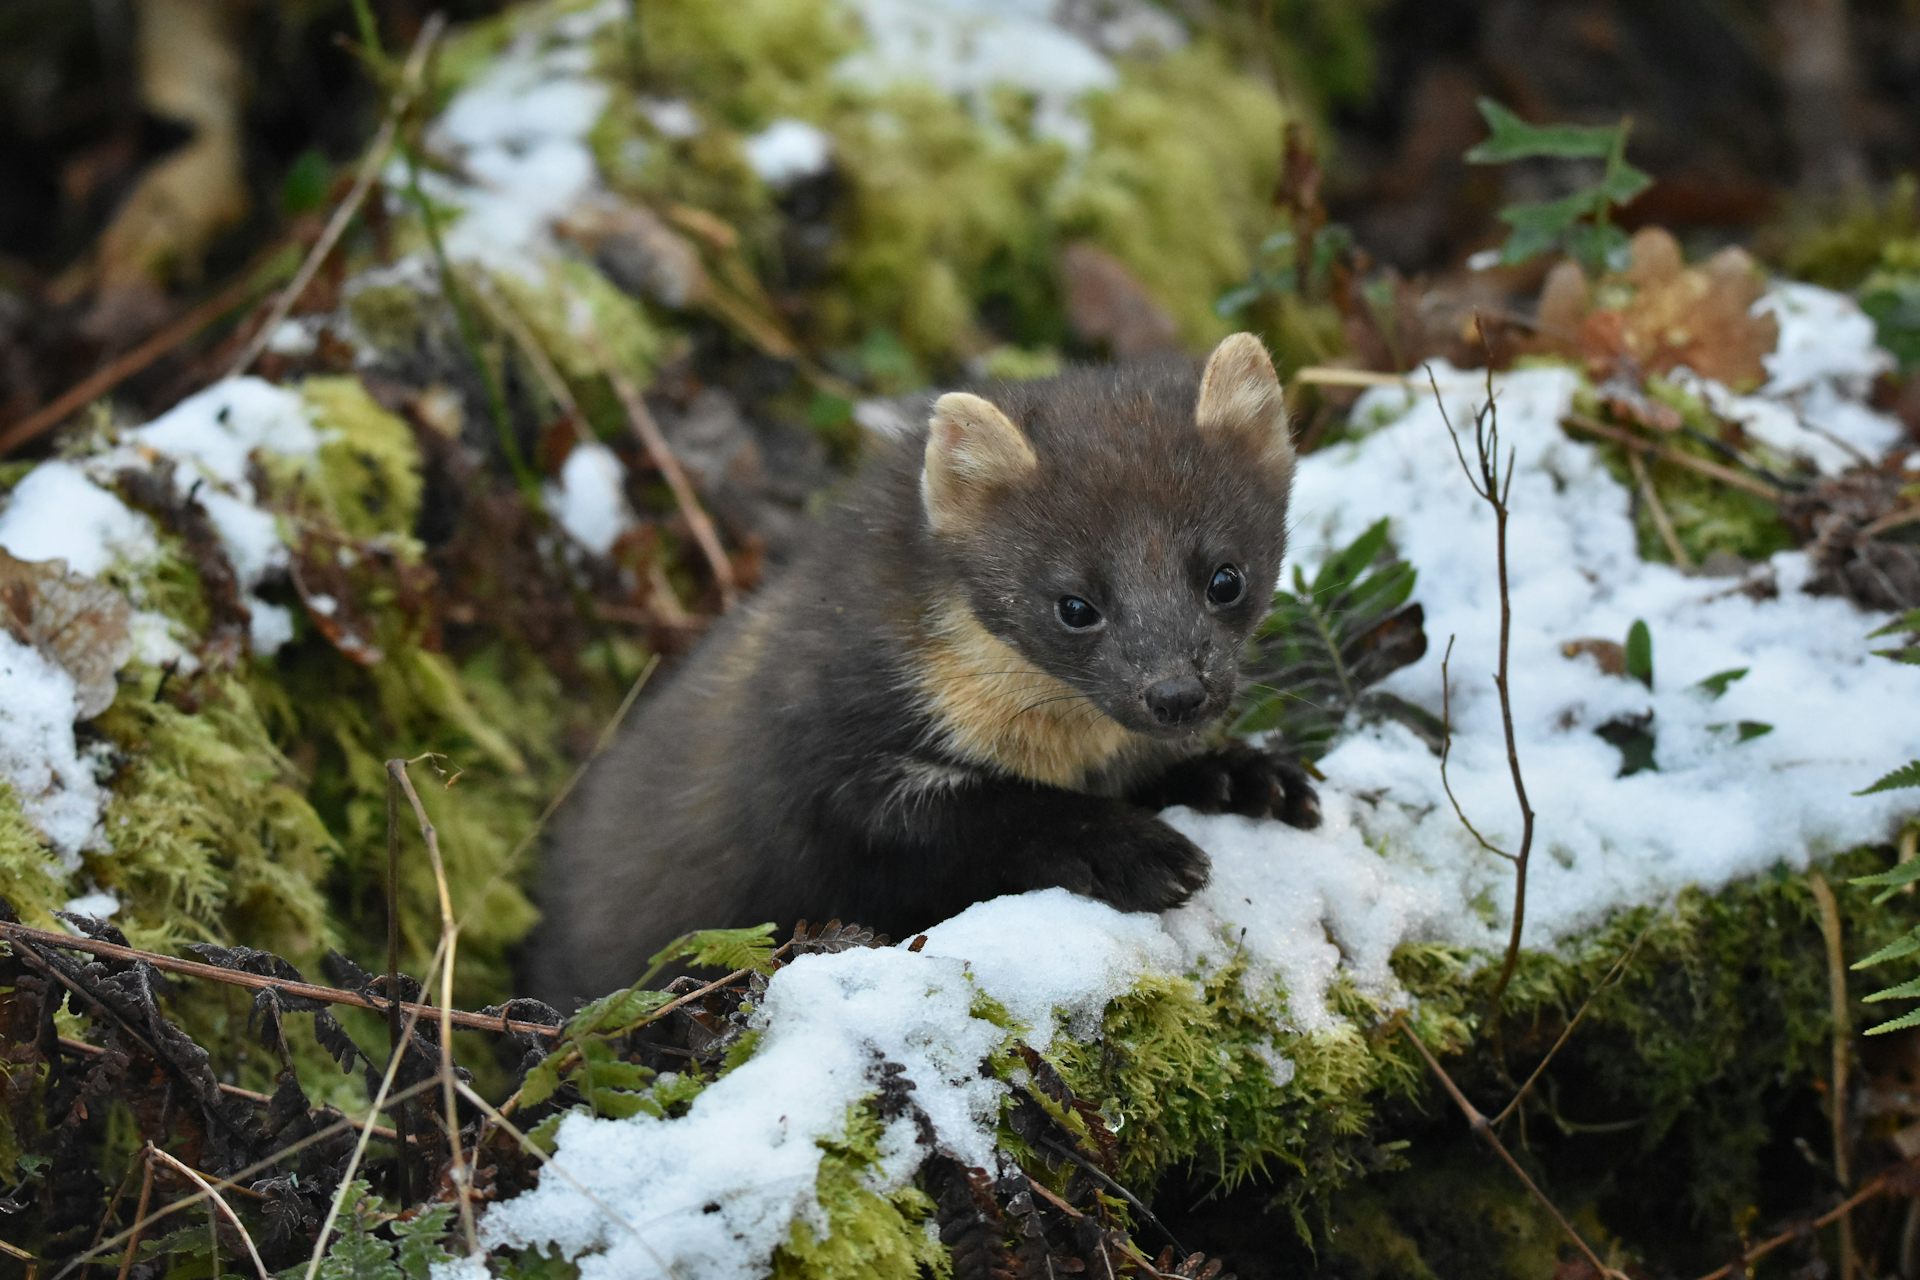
(312, 991)
(1657, 510)
(1485, 1132)
(450, 943)
(1837, 1094)
(218, 1200)
(164, 339)
(1880, 1184)
(1612, 976)
(655, 443)
(1495, 487)
(1446, 754)
(1638, 444)
(371, 164)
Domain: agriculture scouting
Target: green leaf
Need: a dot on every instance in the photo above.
(1908, 990)
(615, 1012)
(542, 1081)
(1514, 139)
(304, 189)
(420, 1241)
(1640, 653)
(1720, 681)
(1906, 623)
(1911, 1018)
(1907, 775)
(1326, 641)
(748, 948)
(1751, 729)
(1900, 873)
(1892, 951)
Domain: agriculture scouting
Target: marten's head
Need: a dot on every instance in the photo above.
(1120, 530)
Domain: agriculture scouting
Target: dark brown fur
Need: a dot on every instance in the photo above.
(901, 725)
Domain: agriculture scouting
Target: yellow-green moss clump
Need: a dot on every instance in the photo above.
(248, 798)
(947, 212)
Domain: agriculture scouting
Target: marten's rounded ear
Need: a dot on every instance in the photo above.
(972, 448)
(1240, 394)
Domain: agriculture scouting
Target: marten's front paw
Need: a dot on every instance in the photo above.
(1240, 779)
(1150, 868)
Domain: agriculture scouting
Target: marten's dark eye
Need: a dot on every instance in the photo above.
(1076, 613)
(1226, 586)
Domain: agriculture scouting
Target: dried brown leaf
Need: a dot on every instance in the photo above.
(81, 625)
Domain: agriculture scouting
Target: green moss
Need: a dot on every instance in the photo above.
(949, 214)
(1707, 516)
(387, 317)
(369, 481)
(868, 1232)
(576, 308)
(1184, 154)
(34, 886)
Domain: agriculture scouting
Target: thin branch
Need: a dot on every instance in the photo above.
(220, 1201)
(1484, 1131)
(1886, 1180)
(312, 991)
(169, 336)
(1842, 1036)
(1712, 470)
(1612, 976)
(670, 469)
(1495, 490)
(363, 182)
(1446, 754)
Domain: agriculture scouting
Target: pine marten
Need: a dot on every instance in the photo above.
(994, 664)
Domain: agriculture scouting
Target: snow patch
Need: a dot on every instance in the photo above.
(968, 47)
(57, 513)
(589, 500)
(39, 757)
(520, 131)
(788, 150)
(709, 1196)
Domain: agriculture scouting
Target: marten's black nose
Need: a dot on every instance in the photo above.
(1176, 700)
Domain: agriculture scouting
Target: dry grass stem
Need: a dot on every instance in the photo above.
(1662, 522)
(366, 1130)
(1837, 1094)
(450, 945)
(1612, 976)
(217, 1200)
(662, 456)
(1639, 444)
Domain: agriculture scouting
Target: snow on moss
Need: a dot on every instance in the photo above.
(589, 499)
(58, 513)
(519, 132)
